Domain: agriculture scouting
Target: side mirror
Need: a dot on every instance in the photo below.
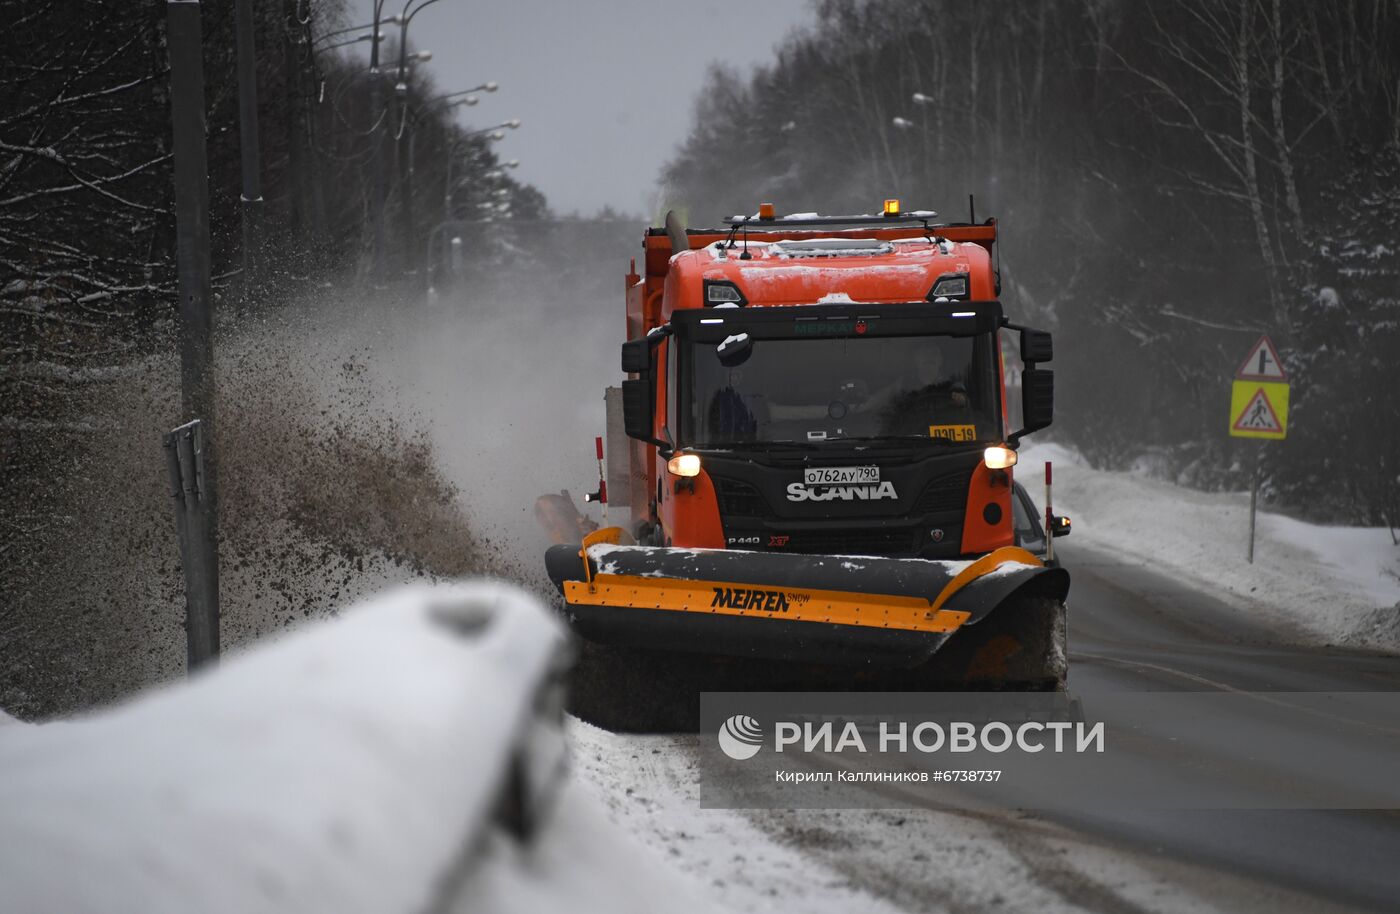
(1036, 346)
(1059, 525)
(1037, 400)
(636, 356)
(639, 394)
(637, 408)
(735, 350)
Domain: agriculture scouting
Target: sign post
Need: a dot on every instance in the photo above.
(199, 538)
(1259, 409)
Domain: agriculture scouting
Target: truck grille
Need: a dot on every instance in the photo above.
(739, 499)
(945, 494)
(899, 541)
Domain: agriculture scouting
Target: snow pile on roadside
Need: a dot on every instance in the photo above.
(582, 863)
(650, 786)
(1337, 584)
(343, 768)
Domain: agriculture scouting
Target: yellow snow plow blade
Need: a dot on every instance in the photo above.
(789, 603)
(794, 604)
(811, 608)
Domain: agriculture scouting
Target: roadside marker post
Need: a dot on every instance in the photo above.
(600, 496)
(602, 479)
(1259, 409)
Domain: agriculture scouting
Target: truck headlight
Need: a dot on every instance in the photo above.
(999, 457)
(722, 292)
(949, 285)
(684, 465)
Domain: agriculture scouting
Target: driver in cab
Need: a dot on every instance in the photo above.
(925, 393)
(910, 404)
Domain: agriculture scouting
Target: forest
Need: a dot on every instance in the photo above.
(89, 316)
(1170, 180)
(86, 198)
(87, 269)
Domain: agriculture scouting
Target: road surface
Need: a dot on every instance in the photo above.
(1133, 629)
(1130, 629)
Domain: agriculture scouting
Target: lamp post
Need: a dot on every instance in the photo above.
(405, 159)
(376, 114)
(484, 87)
(392, 20)
(251, 198)
(491, 134)
(349, 41)
(460, 98)
(450, 187)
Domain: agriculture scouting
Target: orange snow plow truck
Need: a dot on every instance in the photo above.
(813, 444)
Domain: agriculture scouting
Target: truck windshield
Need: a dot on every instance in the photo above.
(937, 389)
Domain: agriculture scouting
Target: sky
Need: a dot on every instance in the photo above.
(604, 89)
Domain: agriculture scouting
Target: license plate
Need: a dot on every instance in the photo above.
(839, 476)
(953, 432)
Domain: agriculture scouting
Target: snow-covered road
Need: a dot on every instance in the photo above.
(629, 834)
(1318, 583)
(1130, 629)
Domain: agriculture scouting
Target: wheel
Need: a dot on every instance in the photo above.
(631, 690)
(626, 690)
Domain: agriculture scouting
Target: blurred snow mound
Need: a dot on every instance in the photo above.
(342, 768)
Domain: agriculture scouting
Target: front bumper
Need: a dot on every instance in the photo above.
(831, 609)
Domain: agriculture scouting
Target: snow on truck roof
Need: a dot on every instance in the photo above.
(886, 218)
(799, 247)
(797, 268)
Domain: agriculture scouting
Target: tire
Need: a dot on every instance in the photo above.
(632, 691)
(513, 811)
(1019, 646)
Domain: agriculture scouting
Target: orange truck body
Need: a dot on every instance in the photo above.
(822, 503)
(674, 280)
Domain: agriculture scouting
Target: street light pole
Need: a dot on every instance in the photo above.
(298, 144)
(252, 198)
(376, 113)
(347, 42)
(453, 184)
(392, 20)
(405, 155)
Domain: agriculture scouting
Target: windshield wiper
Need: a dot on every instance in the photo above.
(755, 445)
(905, 439)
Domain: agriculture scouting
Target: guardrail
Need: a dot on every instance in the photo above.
(348, 766)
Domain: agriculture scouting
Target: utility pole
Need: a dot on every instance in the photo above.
(183, 35)
(296, 122)
(410, 247)
(251, 210)
(377, 115)
(404, 156)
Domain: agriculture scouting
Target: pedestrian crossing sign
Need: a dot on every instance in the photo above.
(1259, 409)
